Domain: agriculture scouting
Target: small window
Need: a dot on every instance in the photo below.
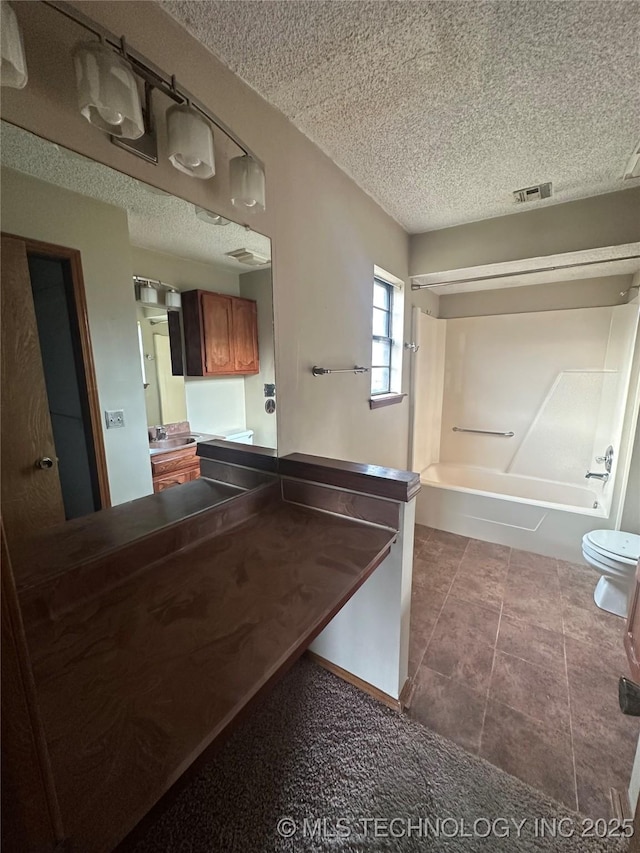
(382, 337)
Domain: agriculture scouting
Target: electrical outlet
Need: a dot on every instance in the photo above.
(114, 419)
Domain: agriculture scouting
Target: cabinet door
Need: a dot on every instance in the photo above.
(162, 483)
(245, 336)
(217, 327)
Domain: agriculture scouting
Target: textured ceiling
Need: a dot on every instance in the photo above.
(439, 110)
(159, 222)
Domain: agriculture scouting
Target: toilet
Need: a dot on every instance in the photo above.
(614, 554)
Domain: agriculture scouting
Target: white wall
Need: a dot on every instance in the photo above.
(369, 637)
(256, 285)
(327, 233)
(32, 208)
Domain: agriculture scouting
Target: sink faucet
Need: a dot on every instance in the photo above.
(161, 433)
(590, 475)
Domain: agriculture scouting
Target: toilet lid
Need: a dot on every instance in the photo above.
(613, 563)
(602, 552)
(625, 546)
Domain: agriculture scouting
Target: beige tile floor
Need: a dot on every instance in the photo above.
(513, 660)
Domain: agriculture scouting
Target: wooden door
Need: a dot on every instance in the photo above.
(245, 336)
(31, 495)
(30, 812)
(217, 326)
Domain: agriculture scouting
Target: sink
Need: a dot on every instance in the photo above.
(174, 443)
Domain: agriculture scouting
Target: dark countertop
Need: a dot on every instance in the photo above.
(133, 684)
(57, 549)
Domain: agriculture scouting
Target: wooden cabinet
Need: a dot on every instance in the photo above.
(175, 468)
(220, 333)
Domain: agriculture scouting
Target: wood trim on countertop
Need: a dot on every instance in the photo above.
(371, 479)
(247, 455)
(342, 502)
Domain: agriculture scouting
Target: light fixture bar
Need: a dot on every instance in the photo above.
(148, 71)
(522, 272)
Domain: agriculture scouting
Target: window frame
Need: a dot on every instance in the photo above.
(388, 338)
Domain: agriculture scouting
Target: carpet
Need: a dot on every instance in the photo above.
(321, 766)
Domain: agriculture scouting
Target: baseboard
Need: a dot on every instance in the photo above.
(374, 692)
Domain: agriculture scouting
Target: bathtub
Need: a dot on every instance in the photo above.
(537, 515)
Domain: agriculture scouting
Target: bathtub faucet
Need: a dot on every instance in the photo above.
(590, 475)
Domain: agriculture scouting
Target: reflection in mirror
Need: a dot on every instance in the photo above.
(167, 316)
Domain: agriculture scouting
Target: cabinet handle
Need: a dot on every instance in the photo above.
(45, 463)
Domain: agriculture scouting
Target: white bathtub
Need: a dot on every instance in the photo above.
(522, 512)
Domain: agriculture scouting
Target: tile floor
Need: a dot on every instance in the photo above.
(512, 659)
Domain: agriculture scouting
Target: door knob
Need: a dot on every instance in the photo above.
(44, 463)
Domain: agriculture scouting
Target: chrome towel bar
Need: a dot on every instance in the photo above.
(323, 371)
(483, 431)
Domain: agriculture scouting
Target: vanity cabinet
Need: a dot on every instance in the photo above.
(220, 333)
(173, 469)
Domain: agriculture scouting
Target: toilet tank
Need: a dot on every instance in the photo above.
(242, 436)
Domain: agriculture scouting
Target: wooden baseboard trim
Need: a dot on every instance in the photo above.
(374, 692)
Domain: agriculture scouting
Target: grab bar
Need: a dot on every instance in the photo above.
(484, 431)
(325, 371)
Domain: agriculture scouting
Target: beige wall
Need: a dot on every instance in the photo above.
(327, 234)
(32, 208)
(183, 273)
(604, 220)
(583, 293)
(256, 285)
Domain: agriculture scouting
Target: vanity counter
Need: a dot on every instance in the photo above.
(134, 682)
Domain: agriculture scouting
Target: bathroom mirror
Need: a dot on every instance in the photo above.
(138, 258)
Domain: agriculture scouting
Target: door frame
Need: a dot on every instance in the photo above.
(74, 257)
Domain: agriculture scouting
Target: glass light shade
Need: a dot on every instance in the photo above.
(190, 142)
(108, 91)
(13, 72)
(247, 183)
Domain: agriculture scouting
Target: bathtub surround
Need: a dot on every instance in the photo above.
(557, 383)
(512, 659)
(316, 735)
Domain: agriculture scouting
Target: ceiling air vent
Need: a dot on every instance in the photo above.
(632, 169)
(246, 256)
(536, 193)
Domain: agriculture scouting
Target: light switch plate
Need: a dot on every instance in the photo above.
(114, 419)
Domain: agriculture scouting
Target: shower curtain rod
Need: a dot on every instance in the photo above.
(522, 272)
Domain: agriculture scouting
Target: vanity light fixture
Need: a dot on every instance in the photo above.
(209, 217)
(13, 72)
(190, 141)
(247, 183)
(108, 90)
(110, 76)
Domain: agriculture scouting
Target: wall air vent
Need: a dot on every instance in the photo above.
(536, 193)
(246, 256)
(632, 169)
